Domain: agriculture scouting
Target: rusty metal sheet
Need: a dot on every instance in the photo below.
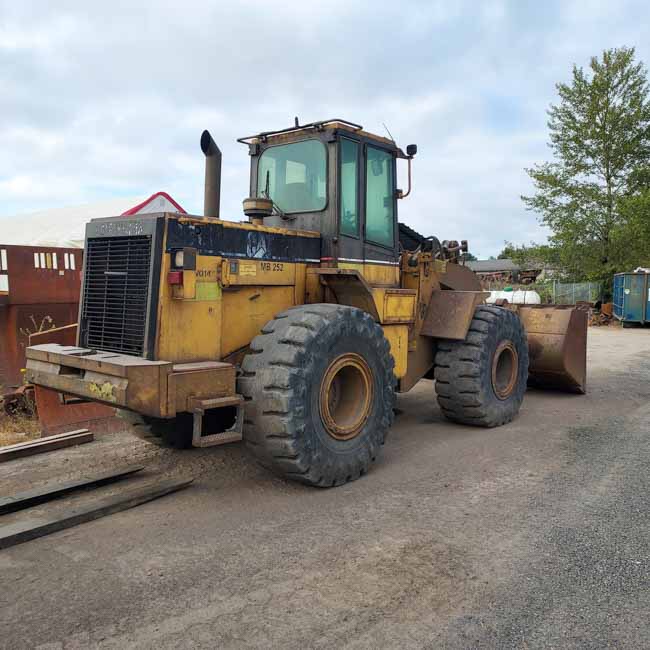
(42, 275)
(459, 278)
(557, 346)
(17, 323)
(39, 289)
(53, 413)
(450, 313)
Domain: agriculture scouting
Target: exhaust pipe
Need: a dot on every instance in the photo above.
(212, 195)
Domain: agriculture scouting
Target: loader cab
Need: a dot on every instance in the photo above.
(334, 178)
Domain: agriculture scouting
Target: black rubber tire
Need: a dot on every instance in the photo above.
(463, 370)
(281, 380)
(175, 432)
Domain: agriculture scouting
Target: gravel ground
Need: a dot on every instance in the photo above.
(533, 535)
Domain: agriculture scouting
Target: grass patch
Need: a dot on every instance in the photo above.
(18, 428)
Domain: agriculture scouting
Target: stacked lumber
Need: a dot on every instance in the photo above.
(602, 316)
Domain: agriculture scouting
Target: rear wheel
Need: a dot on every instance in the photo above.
(319, 390)
(482, 380)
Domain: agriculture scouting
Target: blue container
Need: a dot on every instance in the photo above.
(632, 297)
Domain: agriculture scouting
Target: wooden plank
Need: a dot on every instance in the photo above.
(31, 528)
(53, 490)
(45, 444)
(38, 441)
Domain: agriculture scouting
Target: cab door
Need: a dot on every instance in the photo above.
(380, 206)
(367, 205)
(350, 225)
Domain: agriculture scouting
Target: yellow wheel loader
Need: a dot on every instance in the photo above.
(296, 329)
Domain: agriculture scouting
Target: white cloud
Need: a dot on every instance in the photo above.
(37, 39)
(109, 99)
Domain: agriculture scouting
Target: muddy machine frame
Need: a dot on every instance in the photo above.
(209, 329)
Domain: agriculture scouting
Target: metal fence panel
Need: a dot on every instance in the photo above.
(569, 293)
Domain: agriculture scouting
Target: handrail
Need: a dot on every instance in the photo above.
(299, 127)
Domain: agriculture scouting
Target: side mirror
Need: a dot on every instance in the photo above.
(411, 150)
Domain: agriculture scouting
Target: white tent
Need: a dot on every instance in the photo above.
(65, 227)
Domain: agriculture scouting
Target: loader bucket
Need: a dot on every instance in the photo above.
(557, 346)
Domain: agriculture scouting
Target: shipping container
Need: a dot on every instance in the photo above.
(39, 290)
(632, 297)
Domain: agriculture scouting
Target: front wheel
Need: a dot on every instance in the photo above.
(319, 390)
(482, 380)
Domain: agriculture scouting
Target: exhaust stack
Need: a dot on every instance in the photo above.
(212, 195)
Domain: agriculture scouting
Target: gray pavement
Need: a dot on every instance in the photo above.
(533, 535)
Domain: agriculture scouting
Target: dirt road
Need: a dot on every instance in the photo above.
(534, 535)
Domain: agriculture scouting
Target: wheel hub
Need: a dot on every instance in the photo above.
(505, 367)
(346, 396)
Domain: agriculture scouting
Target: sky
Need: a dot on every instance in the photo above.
(109, 99)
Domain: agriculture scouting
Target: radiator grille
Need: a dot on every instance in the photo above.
(116, 287)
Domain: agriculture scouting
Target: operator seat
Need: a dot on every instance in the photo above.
(296, 197)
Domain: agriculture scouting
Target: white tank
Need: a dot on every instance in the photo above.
(518, 297)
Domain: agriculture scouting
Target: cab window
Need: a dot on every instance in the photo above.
(379, 197)
(349, 208)
(294, 176)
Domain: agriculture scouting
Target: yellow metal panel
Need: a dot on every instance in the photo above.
(189, 285)
(314, 290)
(243, 272)
(225, 273)
(385, 305)
(381, 275)
(245, 310)
(394, 305)
(354, 266)
(377, 275)
(299, 284)
(201, 284)
(208, 291)
(190, 330)
(399, 306)
(398, 337)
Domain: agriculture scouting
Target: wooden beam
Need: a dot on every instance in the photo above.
(38, 441)
(51, 491)
(33, 527)
(78, 437)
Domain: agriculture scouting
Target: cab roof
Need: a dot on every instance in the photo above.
(336, 124)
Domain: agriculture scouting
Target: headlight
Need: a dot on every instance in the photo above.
(178, 259)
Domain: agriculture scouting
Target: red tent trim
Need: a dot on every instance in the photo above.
(138, 207)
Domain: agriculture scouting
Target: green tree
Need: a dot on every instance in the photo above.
(600, 138)
(507, 252)
(531, 256)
